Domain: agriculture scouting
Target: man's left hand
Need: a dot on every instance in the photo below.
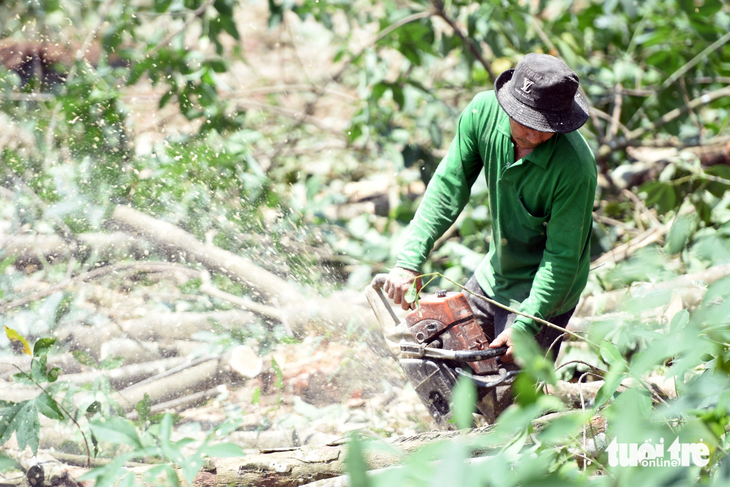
(504, 340)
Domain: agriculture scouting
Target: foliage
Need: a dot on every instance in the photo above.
(153, 442)
(156, 442)
(691, 349)
(22, 418)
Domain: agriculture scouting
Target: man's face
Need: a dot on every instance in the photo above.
(527, 138)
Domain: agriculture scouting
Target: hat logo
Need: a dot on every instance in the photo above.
(527, 85)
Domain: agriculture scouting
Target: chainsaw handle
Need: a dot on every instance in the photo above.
(482, 382)
(477, 355)
(418, 351)
(379, 281)
(377, 285)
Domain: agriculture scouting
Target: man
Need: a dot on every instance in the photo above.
(541, 177)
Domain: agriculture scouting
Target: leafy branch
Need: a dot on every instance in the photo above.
(22, 418)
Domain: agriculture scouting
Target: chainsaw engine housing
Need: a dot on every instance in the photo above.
(446, 321)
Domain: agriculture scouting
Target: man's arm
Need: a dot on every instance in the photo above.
(568, 233)
(446, 195)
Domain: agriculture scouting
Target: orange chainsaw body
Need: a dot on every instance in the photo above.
(446, 321)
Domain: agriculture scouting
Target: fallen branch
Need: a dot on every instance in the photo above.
(125, 376)
(26, 248)
(179, 404)
(299, 313)
(648, 237)
(124, 268)
(186, 247)
(153, 326)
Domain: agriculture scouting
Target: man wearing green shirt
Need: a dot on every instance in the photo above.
(541, 177)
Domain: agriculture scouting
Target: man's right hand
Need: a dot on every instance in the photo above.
(397, 284)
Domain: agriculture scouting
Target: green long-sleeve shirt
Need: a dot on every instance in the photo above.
(540, 208)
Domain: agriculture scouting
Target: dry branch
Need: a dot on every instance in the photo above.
(299, 313)
(28, 248)
(153, 326)
(186, 247)
(648, 237)
(126, 376)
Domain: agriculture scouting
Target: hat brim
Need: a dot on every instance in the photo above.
(553, 122)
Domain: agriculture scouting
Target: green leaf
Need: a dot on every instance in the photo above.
(256, 396)
(116, 430)
(8, 420)
(412, 293)
(166, 428)
(612, 382)
(27, 427)
(84, 358)
(48, 406)
(23, 378)
(167, 472)
(679, 321)
(14, 336)
(6, 462)
(53, 374)
(223, 450)
(558, 430)
(464, 400)
(659, 194)
(229, 26)
(679, 234)
(355, 461)
(279, 374)
(42, 346)
(110, 474)
(611, 355)
(39, 369)
(111, 363)
(165, 99)
(162, 5)
(144, 407)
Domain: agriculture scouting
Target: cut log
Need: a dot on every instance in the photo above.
(45, 471)
(199, 375)
(108, 246)
(306, 465)
(136, 351)
(153, 326)
(128, 375)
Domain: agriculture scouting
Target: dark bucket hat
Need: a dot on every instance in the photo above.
(541, 93)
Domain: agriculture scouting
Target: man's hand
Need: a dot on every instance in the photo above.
(397, 284)
(504, 340)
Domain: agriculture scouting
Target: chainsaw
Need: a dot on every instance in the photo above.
(435, 340)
